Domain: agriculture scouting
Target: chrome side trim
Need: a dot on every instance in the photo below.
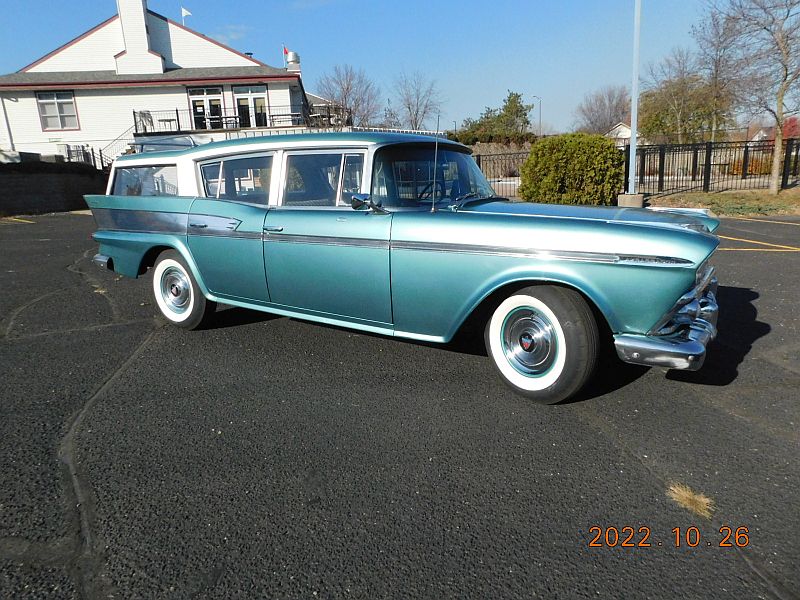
(542, 254)
(290, 238)
(245, 235)
(140, 221)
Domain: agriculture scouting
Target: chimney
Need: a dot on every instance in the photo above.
(293, 62)
(138, 57)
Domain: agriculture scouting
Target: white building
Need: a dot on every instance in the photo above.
(139, 73)
(621, 134)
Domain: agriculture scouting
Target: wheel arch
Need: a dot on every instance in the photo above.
(475, 318)
(150, 257)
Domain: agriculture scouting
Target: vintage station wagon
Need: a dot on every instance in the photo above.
(402, 235)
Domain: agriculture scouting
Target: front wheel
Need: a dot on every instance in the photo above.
(543, 342)
(177, 294)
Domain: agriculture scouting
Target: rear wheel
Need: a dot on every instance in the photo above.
(177, 294)
(543, 342)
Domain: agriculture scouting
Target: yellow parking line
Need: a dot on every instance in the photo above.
(756, 250)
(765, 221)
(17, 220)
(724, 237)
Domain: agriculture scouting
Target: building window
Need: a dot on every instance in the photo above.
(57, 110)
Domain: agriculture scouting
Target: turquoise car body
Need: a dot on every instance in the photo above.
(411, 273)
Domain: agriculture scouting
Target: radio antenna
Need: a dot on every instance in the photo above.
(435, 165)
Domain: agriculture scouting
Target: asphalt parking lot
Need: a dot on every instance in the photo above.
(268, 457)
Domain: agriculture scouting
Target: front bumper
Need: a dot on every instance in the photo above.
(681, 342)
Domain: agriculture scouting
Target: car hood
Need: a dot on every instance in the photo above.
(658, 217)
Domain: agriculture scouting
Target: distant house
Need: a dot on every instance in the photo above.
(621, 134)
(141, 74)
(763, 134)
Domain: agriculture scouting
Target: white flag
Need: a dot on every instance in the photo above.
(185, 13)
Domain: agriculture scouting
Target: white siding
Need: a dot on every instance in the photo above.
(95, 52)
(103, 115)
(181, 48)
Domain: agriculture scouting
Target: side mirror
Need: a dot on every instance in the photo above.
(364, 202)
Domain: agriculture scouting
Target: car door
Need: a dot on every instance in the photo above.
(321, 256)
(225, 227)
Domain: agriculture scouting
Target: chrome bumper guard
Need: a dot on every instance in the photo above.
(101, 260)
(681, 342)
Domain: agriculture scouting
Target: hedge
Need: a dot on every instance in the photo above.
(575, 168)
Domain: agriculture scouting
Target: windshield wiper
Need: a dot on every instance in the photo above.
(471, 197)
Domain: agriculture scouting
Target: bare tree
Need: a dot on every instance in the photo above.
(719, 64)
(418, 97)
(599, 111)
(674, 101)
(766, 42)
(352, 90)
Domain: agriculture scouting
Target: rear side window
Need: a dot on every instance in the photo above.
(150, 180)
(244, 179)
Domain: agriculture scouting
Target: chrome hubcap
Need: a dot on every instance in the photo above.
(176, 290)
(529, 341)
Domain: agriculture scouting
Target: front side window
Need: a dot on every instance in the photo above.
(156, 180)
(403, 176)
(57, 110)
(244, 179)
(322, 179)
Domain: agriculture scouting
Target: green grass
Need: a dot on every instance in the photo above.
(735, 203)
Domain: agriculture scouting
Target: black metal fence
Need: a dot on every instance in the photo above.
(502, 171)
(712, 166)
(672, 168)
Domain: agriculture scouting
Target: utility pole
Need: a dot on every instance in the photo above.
(632, 198)
(540, 112)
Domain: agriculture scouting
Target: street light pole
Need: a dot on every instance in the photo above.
(540, 112)
(634, 98)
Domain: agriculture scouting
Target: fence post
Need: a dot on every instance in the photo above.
(627, 154)
(641, 152)
(94, 159)
(796, 158)
(707, 167)
(135, 122)
(746, 160)
(662, 158)
(787, 164)
(178, 120)
(102, 161)
(695, 153)
(478, 160)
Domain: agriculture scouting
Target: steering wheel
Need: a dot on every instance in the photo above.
(426, 192)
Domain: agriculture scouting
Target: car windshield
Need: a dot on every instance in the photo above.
(403, 176)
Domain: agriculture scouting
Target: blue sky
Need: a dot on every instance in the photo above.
(475, 50)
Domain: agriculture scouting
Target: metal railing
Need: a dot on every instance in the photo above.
(184, 121)
(672, 168)
(711, 166)
(502, 171)
(86, 154)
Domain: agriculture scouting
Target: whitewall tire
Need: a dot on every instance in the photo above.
(543, 342)
(176, 292)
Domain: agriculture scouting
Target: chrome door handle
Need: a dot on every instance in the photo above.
(198, 225)
(273, 228)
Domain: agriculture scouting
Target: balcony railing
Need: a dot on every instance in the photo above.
(215, 119)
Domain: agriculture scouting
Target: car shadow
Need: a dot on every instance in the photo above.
(233, 316)
(738, 328)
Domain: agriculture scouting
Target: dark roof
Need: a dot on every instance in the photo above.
(34, 79)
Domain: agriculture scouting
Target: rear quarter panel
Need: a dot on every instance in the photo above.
(130, 226)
